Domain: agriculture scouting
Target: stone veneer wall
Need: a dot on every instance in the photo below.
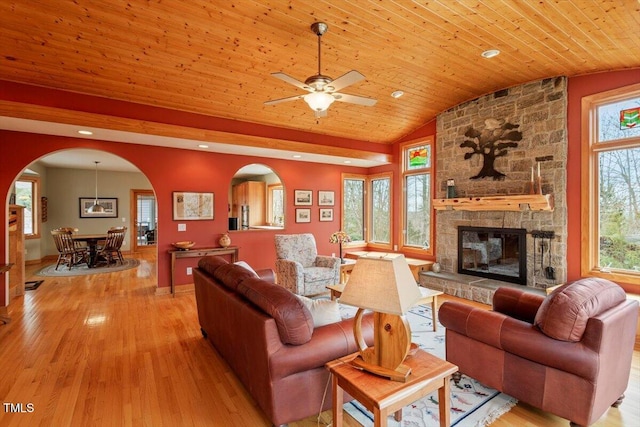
(540, 108)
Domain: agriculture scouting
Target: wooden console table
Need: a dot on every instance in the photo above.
(198, 253)
(384, 397)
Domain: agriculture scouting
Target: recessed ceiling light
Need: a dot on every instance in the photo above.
(85, 132)
(203, 146)
(347, 161)
(296, 156)
(491, 53)
(397, 93)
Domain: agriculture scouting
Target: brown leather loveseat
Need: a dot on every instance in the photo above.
(267, 336)
(569, 353)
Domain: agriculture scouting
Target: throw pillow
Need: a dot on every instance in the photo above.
(323, 311)
(247, 266)
(564, 314)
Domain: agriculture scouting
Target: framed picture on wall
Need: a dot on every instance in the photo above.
(192, 206)
(326, 214)
(326, 198)
(303, 215)
(303, 198)
(110, 205)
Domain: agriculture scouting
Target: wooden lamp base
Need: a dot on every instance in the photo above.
(392, 341)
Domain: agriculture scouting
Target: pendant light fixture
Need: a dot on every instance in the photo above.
(97, 207)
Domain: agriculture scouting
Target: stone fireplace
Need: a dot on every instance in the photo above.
(532, 118)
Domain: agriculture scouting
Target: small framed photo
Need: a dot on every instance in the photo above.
(326, 214)
(110, 205)
(303, 198)
(326, 198)
(303, 215)
(192, 206)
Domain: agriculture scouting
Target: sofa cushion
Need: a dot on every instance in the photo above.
(230, 275)
(247, 266)
(323, 311)
(293, 319)
(563, 315)
(211, 263)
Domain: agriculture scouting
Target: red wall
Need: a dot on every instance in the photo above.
(579, 87)
(171, 170)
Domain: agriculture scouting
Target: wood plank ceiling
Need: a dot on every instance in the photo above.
(215, 57)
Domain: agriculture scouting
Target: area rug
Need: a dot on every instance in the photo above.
(472, 403)
(82, 269)
(32, 285)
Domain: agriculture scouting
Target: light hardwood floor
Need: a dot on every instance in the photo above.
(105, 350)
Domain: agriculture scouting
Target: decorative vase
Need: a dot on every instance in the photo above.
(224, 240)
(436, 267)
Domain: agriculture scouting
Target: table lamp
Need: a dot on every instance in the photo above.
(386, 286)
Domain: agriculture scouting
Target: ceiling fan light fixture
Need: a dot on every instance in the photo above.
(319, 101)
(97, 208)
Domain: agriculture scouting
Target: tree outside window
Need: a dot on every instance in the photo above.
(611, 185)
(381, 210)
(619, 190)
(353, 208)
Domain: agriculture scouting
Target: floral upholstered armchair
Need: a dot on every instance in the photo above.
(300, 269)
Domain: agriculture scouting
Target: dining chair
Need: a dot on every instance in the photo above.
(111, 249)
(68, 251)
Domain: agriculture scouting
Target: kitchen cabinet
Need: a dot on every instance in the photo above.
(248, 203)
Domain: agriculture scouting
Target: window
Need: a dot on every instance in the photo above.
(353, 207)
(366, 209)
(275, 206)
(380, 209)
(611, 185)
(416, 201)
(27, 195)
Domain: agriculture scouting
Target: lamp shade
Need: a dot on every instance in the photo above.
(319, 101)
(383, 284)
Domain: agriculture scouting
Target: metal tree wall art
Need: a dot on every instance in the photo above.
(491, 143)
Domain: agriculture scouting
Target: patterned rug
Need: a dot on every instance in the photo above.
(82, 269)
(472, 404)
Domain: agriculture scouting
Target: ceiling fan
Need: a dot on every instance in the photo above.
(323, 90)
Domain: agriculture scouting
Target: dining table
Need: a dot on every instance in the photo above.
(92, 243)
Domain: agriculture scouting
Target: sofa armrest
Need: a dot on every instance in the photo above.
(327, 261)
(517, 303)
(267, 274)
(477, 323)
(328, 343)
(290, 275)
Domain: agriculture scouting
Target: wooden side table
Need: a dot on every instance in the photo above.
(384, 397)
(345, 269)
(198, 253)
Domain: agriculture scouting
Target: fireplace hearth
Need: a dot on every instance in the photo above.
(494, 253)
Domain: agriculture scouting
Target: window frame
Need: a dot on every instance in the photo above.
(35, 204)
(404, 173)
(589, 210)
(270, 190)
(368, 209)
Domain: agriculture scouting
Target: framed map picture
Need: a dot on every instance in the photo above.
(192, 206)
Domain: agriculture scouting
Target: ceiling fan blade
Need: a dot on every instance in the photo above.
(278, 101)
(355, 99)
(288, 79)
(344, 80)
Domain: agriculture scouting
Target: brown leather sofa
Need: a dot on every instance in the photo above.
(569, 353)
(267, 337)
